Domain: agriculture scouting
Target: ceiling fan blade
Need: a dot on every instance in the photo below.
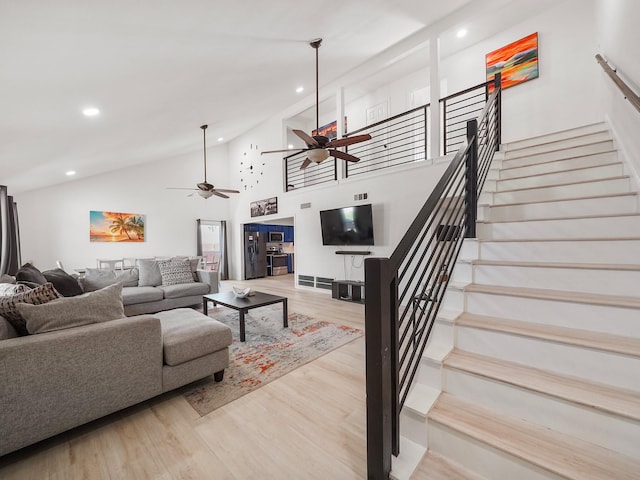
(342, 142)
(343, 156)
(286, 150)
(307, 138)
(215, 192)
(305, 164)
(225, 190)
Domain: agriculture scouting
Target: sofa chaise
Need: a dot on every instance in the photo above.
(85, 359)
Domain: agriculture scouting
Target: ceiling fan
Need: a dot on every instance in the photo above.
(205, 189)
(320, 147)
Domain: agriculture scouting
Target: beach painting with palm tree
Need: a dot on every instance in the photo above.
(116, 227)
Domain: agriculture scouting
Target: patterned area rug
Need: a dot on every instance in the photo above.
(269, 352)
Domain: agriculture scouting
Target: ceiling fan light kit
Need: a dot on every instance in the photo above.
(205, 189)
(319, 147)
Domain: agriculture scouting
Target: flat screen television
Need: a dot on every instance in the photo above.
(347, 225)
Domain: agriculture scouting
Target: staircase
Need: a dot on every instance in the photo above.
(533, 368)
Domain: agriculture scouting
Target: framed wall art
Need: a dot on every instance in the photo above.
(116, 227)
(517, 62)
(268, 206)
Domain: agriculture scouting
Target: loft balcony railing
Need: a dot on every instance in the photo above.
(399, 140)
(456, 110)
(394, 141)
(406, 290)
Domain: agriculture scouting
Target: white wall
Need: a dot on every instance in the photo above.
(618, 38)
(54, 222)
(565, 95)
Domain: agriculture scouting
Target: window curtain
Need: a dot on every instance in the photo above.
(9, 234)
(224, 259)
(223, 262)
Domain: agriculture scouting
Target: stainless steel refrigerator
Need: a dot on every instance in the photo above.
(255, 255)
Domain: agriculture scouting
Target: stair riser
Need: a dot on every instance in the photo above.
(593, 365)
(481, 458)
(592, 228)
(430, 373)
(522, 151)
(414, 427)
(462, 272)
(595, 426)
(560, 166)
(602, 281)
(561, 178)
(513, 160)
(562, 192)
(453, 299)
(615, 205)
(596, 318)
(574, 133)
(607, 252)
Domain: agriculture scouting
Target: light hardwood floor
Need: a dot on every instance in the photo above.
(307, 424)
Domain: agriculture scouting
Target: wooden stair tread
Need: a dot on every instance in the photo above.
(552, 451)
(617, 177)
(555, 219)
(609, 399)
(575, 266)
(552, 200)
(557, 295)
(543, 174)
(507, 167)
(508, 157)
(563, 239)
(585, 338)
(437, 467)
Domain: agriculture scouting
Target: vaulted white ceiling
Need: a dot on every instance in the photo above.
(159, 69)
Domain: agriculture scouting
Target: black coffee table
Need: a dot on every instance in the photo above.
(243, 305)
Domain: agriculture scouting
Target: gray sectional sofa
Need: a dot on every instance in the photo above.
(68, 360)
(145, 291)
(60, 379)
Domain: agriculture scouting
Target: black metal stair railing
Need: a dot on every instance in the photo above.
(406, 290)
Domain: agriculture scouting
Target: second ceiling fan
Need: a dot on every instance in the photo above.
(320, 147)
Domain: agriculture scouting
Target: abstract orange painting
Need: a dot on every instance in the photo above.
(116, 227)
(517, 62)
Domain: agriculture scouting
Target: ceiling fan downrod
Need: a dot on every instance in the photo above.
(204, 149)
(316, 45)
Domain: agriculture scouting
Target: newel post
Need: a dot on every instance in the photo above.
(471, 191)
(379, 363)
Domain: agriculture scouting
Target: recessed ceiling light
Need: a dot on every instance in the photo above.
(289, 146)
(220, 139)
(299, 89)
(90, 112)
(461, 33)
(70, 173)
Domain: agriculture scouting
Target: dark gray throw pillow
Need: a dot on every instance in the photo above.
(65, 284)
(30, 274)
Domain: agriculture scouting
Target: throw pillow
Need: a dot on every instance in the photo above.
(128, 278)
(194, 262)
(174, 272)
(7, 289)
(65, 284)
(29, 273)
(97, 278)
(4, 278)
(149, 273)
(93, 307)
(9, 305)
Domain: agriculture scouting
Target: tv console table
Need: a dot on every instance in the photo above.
(348, 290)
